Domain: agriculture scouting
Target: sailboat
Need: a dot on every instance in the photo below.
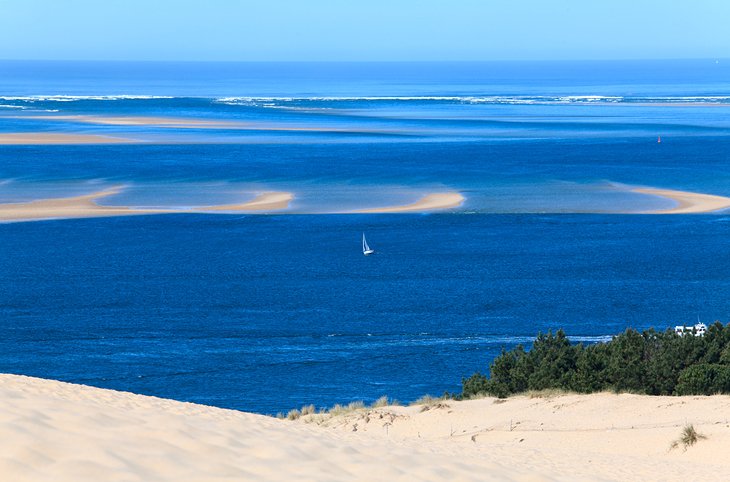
(659, 140)
(365, 248)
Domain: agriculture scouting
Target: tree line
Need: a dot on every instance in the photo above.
(648, 362)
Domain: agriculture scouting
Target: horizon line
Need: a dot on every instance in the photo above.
(392, 61)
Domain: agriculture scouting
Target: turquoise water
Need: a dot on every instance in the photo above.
(265, 313)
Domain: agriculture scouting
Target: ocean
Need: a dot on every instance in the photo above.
(269, 312)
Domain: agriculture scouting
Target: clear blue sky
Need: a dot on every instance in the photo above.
(363, 29)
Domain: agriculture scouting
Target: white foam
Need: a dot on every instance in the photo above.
(274, 102)
(471, 99)
(72, 98)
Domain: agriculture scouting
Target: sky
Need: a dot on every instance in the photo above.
(363, 30)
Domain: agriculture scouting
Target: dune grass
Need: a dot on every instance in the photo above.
(688, 438)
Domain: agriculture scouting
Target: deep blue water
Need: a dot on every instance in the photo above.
(265, 313)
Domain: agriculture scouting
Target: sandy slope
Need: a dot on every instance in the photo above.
(687, 202)
(568, 437)
(86, 206)
(56, 431)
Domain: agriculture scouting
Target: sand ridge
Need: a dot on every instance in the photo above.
(687, 202)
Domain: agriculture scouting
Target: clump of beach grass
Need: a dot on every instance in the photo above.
(381, 402)
(689, 437)
(428, 402)
(293, 414)
(308, 410)
(547, 393)
(345, 409)
(297, 413)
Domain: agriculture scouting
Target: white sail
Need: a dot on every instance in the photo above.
(365, 248)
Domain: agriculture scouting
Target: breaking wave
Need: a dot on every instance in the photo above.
(72, 98)
(492, 99)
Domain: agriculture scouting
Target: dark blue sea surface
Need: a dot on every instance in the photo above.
(270, 312)
(266, 313)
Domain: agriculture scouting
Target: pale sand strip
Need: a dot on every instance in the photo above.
(430, 202)
(86, 206)
(172, 122)
(30, 138)
(190, 123)
(268, 201)
(57, 431)
(687, 202)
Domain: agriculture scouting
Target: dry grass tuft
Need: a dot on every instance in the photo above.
(689, 437)
(547, 393)
(293, 414)
(345, 409)
(428, 402)
(381, 402)
(308, 410)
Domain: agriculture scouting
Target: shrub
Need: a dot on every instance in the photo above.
(704, 379)
(655, 363)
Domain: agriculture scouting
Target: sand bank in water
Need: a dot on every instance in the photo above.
(171, 122)
(687, 202)
(87, 207)
(430, 202)
(56, 431)
(192, 123)
(30, 138)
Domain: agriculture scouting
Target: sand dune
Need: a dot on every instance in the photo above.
(86, 206)
(57, 431)
(566, 437)
(29, 138)
(430, 202)
(687, 202)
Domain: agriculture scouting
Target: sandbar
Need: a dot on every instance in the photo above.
(31, 138)
(192, 123)
(51, 430)
(172, 122)
(430, 202)
(268, 201)
(687, 202)
(86, 206)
